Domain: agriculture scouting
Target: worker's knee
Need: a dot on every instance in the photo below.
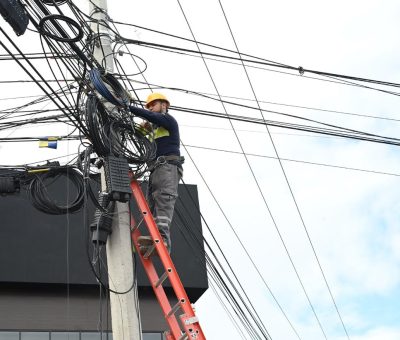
(163, 196)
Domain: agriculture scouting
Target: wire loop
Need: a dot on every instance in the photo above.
(64, 38)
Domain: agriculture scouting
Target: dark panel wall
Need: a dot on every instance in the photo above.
(57, 308)
(41, 248)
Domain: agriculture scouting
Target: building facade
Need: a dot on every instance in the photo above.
(48, 290)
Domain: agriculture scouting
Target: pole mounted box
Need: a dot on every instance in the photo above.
(116, 171)
(15, 14)
(9, 185)
(102, 223)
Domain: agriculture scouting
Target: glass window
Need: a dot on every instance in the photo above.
(152, 336)
(68, 336)
(64, 336)
(95, 336)
(9, 335)
(35, 335)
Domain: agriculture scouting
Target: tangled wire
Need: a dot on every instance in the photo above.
(40, 195)
(112, 131)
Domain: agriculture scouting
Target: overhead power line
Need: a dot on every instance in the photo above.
(290, 189)
(39, 55)
(270, 62)
(357, 135)
(35, 81)
(309, 108)
(314, 129)
(297, 161)
(350, 80)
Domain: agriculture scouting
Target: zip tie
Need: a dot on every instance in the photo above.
(38, 170)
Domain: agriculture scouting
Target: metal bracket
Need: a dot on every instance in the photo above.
(191, 320)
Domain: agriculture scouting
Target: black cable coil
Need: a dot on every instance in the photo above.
(63, 36)
(116, 134)
(39, 194)
(109, 87)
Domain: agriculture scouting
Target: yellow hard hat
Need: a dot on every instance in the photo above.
(155, 96)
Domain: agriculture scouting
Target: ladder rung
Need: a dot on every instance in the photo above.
(149, 251)
(191, 320)
(183, 337)
(163, 277)
(175, 308)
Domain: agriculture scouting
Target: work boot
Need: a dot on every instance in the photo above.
(145, 242)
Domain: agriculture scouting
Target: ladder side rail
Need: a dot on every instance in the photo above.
(158, 291)
(162, 250)
(165, 258)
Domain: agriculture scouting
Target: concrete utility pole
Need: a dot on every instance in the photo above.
(124, 313)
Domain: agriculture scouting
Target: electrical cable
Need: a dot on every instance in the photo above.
(332, 75)
(297, 161)
(119, 97)
(54, 2)
(255, 180)
(261, 60)
(311, 108)
(280, 124)
(197, 240)
(62, 108)
(52, 18)
(120, 137)
(39, 194)
(114, 129)
(289, 187)
(238, 239)
(88, 232)
(357, 135)
(31, 56)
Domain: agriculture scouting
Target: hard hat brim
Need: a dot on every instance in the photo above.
(163, 100)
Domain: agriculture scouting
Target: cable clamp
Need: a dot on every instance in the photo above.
(161, 160)
(301, 70)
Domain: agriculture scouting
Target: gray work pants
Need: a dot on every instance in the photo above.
(162, 195)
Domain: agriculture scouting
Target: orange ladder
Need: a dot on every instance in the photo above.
(188, 320)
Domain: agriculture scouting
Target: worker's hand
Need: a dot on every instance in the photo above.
(146, 126)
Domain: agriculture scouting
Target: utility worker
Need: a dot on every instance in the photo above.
(166, 169)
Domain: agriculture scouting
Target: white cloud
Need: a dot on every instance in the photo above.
(379, 334)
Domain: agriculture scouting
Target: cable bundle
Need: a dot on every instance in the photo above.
(133, 145)
(54, 2)
(97, 121)
(118, 96)
(113, 133)
(61, 35)
(39, 194)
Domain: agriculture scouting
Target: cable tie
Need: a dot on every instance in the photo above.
(33, 171)
(301, 70)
